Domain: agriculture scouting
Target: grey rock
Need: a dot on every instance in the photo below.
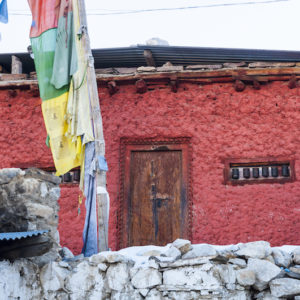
(6, 175)
(296, 255)
(200, 251)
(264, 271)
(146, 278)
(245, 277)
(182, 245)
(66, 253)
(259, 249)
(42, 175)
(281, 258)
(117, 276)
(295, 269)
(266, 295)
(285, 287)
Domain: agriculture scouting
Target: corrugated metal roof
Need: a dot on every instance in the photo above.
(134, 56)
(6, 236)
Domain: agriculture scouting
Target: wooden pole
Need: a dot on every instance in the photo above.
(102, 197)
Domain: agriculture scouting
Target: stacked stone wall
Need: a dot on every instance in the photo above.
(178, 271)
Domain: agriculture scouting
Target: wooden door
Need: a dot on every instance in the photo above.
(155, 197)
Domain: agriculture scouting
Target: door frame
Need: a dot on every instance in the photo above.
(127, 145)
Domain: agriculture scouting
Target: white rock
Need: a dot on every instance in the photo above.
(82, 280)
(238, 261)
(19, 280)
(102, 267)
(97, 259)
(154, 295)
(146, 278)
(63, 264)
(144, 292)
(264, 271)
(296, 255)
(117, 276)
(172, 252)
(259, 249)
(245, 277)
(150, 253)
(52, 277)
(43, 189)
(130, 295)
(281, 258)
(182, 245)
(226, 273)
(200, 250)
(285, 287)
(190, 276)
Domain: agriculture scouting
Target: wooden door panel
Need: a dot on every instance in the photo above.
(155, 197)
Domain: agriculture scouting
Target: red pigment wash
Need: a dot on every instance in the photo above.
(222, 124)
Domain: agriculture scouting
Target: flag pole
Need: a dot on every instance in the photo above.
(102, 196)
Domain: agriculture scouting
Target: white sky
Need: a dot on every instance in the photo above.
(274, 25)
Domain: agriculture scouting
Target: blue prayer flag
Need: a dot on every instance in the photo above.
(3, 11)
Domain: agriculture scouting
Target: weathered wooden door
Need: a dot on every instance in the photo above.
(155, 195)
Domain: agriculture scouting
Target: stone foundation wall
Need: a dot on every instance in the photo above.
(29, 202)
(177, 271)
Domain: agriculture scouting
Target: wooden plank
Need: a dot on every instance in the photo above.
(204, 74)
(102, 199)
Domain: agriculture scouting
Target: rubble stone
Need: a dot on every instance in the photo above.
(245, 277)
(200, 250)
(281, 258)
(146, 278)
(264, 271)
(285, 287)
(259, 249)
(182, 245)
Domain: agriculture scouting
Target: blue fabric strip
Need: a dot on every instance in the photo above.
(3, 11)
(90, 245)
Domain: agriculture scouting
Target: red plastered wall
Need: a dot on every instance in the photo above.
(221, 122)
(22, 144)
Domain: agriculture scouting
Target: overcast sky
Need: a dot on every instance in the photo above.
(120, 23)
